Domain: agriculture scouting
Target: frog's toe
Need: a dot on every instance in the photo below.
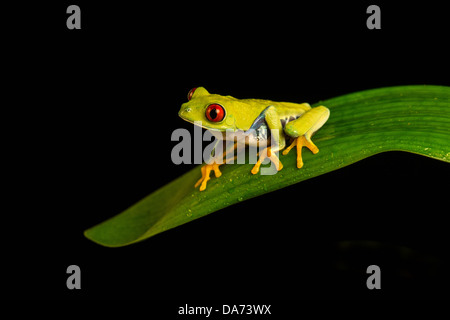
(203, 185)
(293, 144)
(203, 169)
(301, 142)
(217, 172)
(267, 153)
(304, 141)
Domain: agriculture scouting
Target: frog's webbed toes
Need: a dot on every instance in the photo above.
(206, 171)
(301, 142)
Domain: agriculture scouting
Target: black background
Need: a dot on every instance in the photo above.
(87, 123)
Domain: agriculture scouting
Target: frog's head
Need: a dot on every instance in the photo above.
(215, 112)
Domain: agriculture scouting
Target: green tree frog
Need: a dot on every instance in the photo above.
(221, 113)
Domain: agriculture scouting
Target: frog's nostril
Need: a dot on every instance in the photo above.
(184, 112)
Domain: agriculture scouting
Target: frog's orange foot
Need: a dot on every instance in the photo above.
(206, 170)
(300, 142)
(267, 153)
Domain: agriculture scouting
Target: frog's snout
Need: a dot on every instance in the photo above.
(184, 113)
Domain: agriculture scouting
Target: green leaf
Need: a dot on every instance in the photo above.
(408, 118)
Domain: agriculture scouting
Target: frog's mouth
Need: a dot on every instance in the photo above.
(200, 124)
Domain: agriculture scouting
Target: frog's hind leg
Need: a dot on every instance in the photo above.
(303, 128)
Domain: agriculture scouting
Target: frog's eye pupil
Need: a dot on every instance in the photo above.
(191, 93)
(215, 112)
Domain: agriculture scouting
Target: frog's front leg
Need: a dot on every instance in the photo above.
(276, 129)
(303, 128)
(206, 171)
(214, 166)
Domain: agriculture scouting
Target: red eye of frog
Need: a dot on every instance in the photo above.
(191, 93)
(215, 112)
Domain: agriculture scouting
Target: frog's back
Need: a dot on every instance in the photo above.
(285, 110)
